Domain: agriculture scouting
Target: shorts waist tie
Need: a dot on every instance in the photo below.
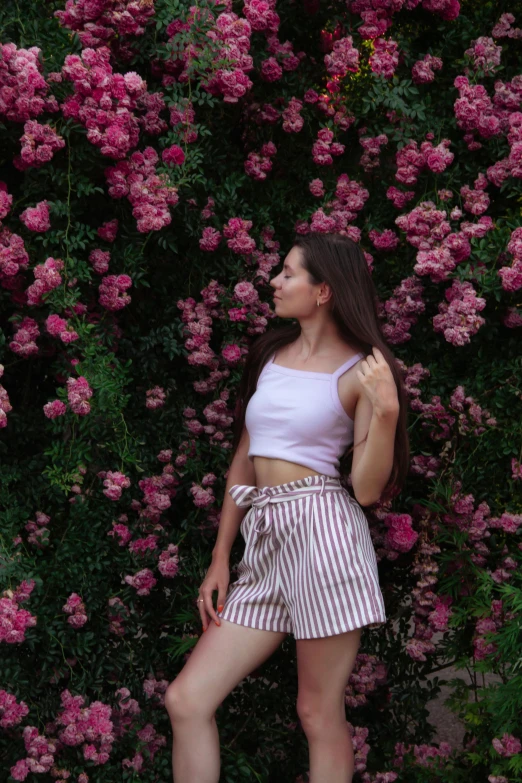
(244, 495)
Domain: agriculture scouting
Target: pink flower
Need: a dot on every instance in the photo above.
(507, 745)
(11, 712)
(108, 230)
(24, 339)
(78, 392)
(384, 240)
(168, 561)
(155, 398)
(173, 156)
(112, 292)
(75, 607)
(37, 218)
(47, 278)
(54, 409)
(14, 621)
(114, 483)
(385, 57)
(99, 260)
(143, 581)
(400, 535)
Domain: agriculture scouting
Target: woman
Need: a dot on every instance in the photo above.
(309, 390)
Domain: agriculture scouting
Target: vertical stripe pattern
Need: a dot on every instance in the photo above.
(309, 566)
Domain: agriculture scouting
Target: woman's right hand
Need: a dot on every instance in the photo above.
(217, 578)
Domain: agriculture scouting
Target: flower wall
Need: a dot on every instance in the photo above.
(158, 158)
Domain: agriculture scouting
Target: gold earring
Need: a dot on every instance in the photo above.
(317, 304)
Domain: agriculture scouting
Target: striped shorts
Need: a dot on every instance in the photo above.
(309, 566)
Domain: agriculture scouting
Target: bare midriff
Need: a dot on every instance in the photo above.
(271, 472)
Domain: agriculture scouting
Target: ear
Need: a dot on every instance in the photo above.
(326, 291)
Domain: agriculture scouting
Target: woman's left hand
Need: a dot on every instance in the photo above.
(378, 382)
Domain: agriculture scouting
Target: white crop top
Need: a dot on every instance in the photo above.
(296, 415)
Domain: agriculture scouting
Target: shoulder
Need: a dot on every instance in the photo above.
(350, 389)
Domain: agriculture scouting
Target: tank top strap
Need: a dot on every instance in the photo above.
(265, 366)
(346, 366)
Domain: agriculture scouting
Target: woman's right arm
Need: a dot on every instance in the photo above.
(241, 471)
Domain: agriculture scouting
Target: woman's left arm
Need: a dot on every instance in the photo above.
(376, 416)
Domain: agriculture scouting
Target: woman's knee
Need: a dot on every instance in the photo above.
(183, 702)
(318, 718)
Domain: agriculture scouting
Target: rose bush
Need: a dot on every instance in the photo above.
(158, 159)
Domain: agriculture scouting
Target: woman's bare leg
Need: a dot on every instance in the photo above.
(323, 669)
(222, 657)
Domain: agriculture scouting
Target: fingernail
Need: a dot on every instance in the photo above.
(217, 623)
(204, 629)
(220, 608)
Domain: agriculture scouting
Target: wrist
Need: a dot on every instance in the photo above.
(386, 412)
(220, 556)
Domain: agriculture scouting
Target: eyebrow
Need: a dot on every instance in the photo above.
(286, 266)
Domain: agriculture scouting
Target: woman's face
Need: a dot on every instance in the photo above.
(296, 297)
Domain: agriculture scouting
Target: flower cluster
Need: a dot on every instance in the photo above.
(229, 41)
(39, 143)
(38, 530)
(383, 240)
(423, 71)
(24, 338)
(459, 319)
(428, 756)
(157, 491)
(103, 102)
(40, 754)
(60, 327)
(117, 614)
(385, 57)
(78, 392)
(401, 310)
(15, 621)
(343, 59)
(372, 147)
(108, 230)
(399, 198)
(37, 218)
(75, 608)
(99, 260)
(23, 89)
(168, 561)
(13, 257)
(112, 292)
(292, 120)
(47, 278)
(511, 276)
(114, 482)
(503, 28)
(155, 398)
(411, 160)
(148, 192)
(485, 54)
(258, 164)
(475, 199)
(11, 711)
(104, 21)
(324, 148)
(507, 745)
(400, 537)
(485, 628)
(91, 727)
(367, 674)
(143, 581)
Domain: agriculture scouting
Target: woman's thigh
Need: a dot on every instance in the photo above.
(323, 669)
(222, 657)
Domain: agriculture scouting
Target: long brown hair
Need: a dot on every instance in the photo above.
(337, 260)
